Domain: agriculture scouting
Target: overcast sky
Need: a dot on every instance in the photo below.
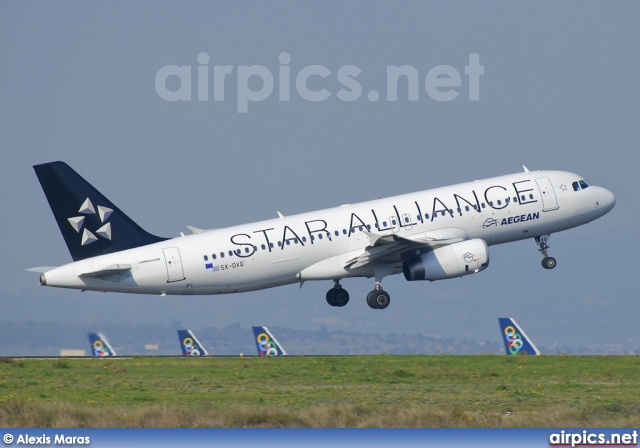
(560, 90)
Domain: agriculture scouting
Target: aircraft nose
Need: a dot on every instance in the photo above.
(607, 199)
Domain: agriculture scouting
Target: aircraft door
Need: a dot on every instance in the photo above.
(175, 273)
(549, 199)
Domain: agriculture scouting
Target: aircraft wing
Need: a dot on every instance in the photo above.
(394, 248)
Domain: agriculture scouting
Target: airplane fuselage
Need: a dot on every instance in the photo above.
(318, 245)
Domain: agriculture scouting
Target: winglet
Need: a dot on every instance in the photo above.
(526, 170)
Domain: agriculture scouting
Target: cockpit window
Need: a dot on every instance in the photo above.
(584, 184)
(576, 186)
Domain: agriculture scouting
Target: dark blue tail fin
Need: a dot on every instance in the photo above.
(100, 346)
(515, 340)
(90, 224)
(265, 342)
(190, 345)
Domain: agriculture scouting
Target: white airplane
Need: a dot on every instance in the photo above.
(429, 235)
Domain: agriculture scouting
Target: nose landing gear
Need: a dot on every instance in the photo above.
(547, 262)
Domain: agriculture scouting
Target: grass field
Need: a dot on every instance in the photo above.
(347, 391)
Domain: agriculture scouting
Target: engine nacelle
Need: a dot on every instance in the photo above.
(454, 260)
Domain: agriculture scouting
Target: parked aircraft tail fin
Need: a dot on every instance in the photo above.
(265, 342)
(515, 340)
(190, 345)
(100, 345)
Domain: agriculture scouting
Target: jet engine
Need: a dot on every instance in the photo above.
(453, 260)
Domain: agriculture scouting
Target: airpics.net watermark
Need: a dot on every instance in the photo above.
(255, 83)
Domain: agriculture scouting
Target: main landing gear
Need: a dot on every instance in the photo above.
(337, 296)
(377, 299)
(547, 262)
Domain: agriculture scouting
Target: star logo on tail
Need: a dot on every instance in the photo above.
(86, 209)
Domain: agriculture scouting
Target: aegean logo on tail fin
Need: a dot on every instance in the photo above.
(515, 340)
(100, 346)
(265, 342)
(190, 345)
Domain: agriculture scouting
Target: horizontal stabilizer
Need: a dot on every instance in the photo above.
(41, 269)
(109, 270)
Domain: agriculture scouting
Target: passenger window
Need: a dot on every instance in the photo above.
(426, 216)
(576, 187)
(206, 258)
(221, 254)
(466, 207)
(583, 184)
(213, 256)
(263, 247)
(337, 233)
(499, 202)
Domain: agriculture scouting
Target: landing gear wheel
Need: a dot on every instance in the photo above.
(378, 299)
(331, 297)
(548, 262)
(341, 297)
(337, 297)
(369, 302)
